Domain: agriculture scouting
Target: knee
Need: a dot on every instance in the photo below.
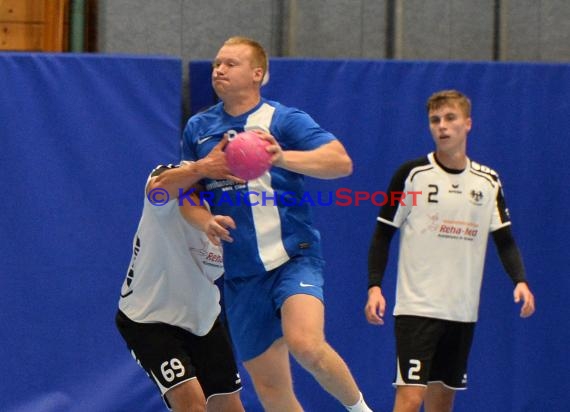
(267, 389)
(309, 352)
(408, 399)
(271, 395)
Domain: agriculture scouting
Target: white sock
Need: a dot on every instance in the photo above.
(359, 406)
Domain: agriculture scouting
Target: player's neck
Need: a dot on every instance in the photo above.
(454, 160)
(241, 104)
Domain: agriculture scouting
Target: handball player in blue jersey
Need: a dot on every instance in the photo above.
(273, 284)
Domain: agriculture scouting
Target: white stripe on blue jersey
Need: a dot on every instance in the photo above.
(266, 219)
(266, 235)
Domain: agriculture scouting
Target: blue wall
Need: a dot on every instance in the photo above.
(79, 134)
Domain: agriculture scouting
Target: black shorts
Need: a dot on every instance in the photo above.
(432, 350)
(171, 355)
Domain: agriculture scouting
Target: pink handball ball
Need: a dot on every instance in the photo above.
(247, 157)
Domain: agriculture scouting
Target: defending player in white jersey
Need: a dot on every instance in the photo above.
(169, 307)
(442, 251)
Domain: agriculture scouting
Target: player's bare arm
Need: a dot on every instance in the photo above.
(216, 227)
(179, 180)
(329, 161)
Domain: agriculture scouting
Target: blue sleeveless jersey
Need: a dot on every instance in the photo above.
(273, 222)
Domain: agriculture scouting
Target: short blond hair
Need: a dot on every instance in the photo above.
(258, 54)
(447, 98)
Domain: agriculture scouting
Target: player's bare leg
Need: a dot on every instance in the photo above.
(225, 403)
(187, 397)
(271, 376)
(439, 398)
(303, 329)
(409, 398)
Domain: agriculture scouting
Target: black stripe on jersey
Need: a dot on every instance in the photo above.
(425, 169)
(489, 178)
(485, 172)
(162, 168)
(493, 178)
(398, 183)
(502, 206)
(126, 294)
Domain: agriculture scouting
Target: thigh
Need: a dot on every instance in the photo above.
(214, 361)
(160, 349)
(416, 344)
(450, 361)
(272, 367)
(303, 321)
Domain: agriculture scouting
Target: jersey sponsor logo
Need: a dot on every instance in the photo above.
(476, 197)
(225, 185)
(208, 257)
(204, 139)
(306, 285)
(458, 230)
(455, 189)
(213, 259)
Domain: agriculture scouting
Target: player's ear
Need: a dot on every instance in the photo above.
(258, 75)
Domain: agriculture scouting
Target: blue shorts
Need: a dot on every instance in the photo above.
(253, 304)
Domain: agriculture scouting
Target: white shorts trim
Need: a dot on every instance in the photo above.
(222, 394)
(164, 390)
(396, 384)
(448, 387)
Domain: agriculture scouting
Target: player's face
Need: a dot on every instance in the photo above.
(233, 71)
(449, 127)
